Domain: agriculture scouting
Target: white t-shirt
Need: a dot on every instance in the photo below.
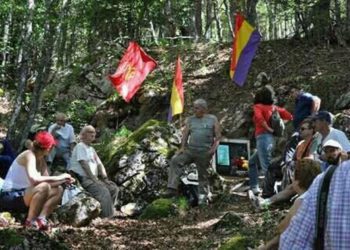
(65, 135)
(337, 135)
(87, 153)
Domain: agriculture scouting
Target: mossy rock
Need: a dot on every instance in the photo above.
(162, 208)
(110, 152)
(237, 242)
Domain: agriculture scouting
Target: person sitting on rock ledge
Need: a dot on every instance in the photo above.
(88, 167)
(28, 186)
(200, 139)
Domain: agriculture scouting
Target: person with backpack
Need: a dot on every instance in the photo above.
(264, 133)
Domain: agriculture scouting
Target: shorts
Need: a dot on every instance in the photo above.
(13, 201)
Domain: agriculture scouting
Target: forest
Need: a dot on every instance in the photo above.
(56, 56)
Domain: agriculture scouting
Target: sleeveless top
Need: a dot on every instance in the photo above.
(202, 132)
(16, 178)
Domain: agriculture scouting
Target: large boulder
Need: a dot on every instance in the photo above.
(79, 211)
(139, 164)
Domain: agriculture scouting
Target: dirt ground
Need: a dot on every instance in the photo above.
(205, 227)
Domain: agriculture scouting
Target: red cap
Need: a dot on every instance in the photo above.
(45, 140)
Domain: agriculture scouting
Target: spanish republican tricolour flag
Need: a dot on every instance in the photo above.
(244, 47)
(177, 93)
(132, 71)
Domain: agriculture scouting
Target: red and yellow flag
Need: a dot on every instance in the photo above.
(177, 93)
(132, 71)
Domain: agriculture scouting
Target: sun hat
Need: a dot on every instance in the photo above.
(332, 143)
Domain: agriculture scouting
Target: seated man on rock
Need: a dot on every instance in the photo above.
(91, 173)
(201, 137)
(28, 187)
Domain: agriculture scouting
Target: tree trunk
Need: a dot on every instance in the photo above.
(229, 15)
(271, 19)
(5, 40)
(217, 21)
(23, 61)
(198, 19)
(251, 11)
(348, 15)
(62, 30)
(321, 21)
(44, 68)
(209, 19)
(337, 12)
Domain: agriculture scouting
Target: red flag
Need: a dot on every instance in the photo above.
(132, 71)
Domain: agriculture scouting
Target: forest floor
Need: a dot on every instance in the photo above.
(205, 227)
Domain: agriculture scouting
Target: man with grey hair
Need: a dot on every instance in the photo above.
(200, 138)
(64, 134)
(91, 173)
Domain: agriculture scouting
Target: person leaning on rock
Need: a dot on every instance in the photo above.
(91, 172)
(200, 139)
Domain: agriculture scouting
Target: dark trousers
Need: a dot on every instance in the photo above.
(106, 192)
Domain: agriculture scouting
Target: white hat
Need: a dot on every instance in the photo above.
(190, 179)
(332, 143)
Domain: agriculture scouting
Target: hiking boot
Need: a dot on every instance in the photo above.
(258, 202)
(253, 199)
(256, 190)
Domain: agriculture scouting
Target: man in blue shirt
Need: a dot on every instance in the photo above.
(305, 105)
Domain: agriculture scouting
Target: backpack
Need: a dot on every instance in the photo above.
(277, 123)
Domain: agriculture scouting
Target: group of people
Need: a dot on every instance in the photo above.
(314, 148)
(28, 187)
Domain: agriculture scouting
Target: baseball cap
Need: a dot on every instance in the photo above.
(332, 143)
(45, 140)
(323, 115)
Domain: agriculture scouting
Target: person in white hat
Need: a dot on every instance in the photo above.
(333, 154)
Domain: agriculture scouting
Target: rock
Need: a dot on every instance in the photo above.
(140, 164)
(79, 211)
(343, 102)
(133, 209)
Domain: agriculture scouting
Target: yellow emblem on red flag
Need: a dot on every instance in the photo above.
(132, 71)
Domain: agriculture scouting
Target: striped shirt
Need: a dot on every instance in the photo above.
(301, 231)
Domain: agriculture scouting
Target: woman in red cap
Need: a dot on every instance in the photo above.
(28, 186)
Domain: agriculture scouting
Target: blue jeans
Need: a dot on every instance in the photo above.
(264, 145)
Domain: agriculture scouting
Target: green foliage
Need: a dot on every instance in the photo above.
(123, 132)
(80, 112)
(237, 242)
(162, 208)
(10, 238)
